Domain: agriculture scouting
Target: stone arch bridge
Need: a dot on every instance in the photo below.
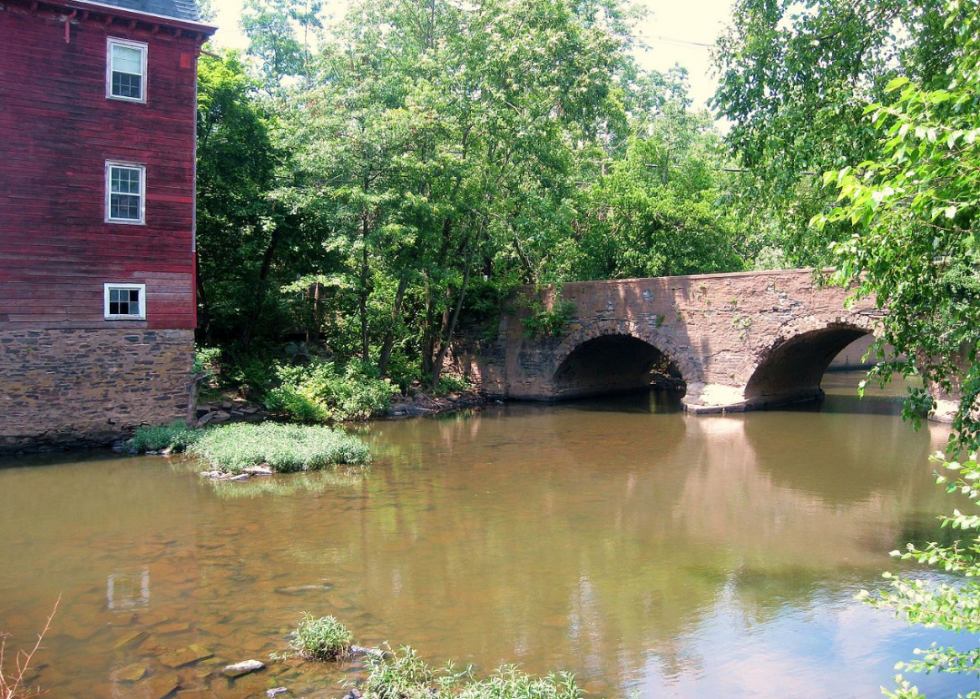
(737, 341)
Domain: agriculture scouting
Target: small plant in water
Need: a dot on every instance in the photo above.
(403, 674)
(322, 639)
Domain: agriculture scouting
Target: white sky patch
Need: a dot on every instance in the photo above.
(673, 32)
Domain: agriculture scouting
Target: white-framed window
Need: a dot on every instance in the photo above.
(124, 301)
(125, 192)
(125, 70)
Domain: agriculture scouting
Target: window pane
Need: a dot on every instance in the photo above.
(127, 59)
(124, 180)
(113, 308)
(127, 85)
(125, 206)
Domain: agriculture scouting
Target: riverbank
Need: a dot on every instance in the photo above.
(229, 408)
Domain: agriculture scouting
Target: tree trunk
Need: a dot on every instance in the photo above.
(260, 290)
(448, 338)
(389, 341)
(313, 332)
(204, 318)
(365, 349)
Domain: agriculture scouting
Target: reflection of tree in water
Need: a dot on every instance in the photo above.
(821, 455)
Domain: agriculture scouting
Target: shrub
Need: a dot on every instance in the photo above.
(452, 384)
(322, 639)
(547, 322)
(207, 361)
(285, 448)
(321, 392)
(251, 374)
(403, 675)
(176, 437)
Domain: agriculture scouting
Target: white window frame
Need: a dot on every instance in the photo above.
(144, 50)
(109, 286)
(109, 164)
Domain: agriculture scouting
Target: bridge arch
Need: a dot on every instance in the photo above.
(614, 357)
(791, 368)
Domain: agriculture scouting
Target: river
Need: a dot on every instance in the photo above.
(623, 540)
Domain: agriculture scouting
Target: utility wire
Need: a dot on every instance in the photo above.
(671, 40)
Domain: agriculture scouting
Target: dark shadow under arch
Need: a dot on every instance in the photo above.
(792, 370)
(613, 364)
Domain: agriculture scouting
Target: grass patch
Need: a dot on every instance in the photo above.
(403, 674)
(285, 448)
(322, 639)
(176, 437)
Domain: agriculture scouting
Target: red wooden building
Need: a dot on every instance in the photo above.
(97, 170)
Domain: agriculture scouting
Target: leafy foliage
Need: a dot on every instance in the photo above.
(550, 322)
(320, 392)
(285, 448)
(794, 80)
(915, 210)
(322, 639)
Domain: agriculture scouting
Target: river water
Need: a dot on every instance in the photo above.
(622, 540)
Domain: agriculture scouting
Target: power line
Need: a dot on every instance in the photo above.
(671, 40)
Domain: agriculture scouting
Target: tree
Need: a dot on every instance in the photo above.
(270, 26)
(434, 131)
(794, 79)
(657, 209)
(236, 225)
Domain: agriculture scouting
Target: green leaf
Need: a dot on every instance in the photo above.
(896, 83)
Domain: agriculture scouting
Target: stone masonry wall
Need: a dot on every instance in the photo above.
(67, 388)
(717, 329)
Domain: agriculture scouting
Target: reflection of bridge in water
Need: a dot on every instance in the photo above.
(737, 341)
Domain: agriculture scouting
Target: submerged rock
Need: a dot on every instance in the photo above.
(132, 640)
(373, 652)
(242, 668)
(159, 686)
(130, 673)
(303, 589)
(276, 691)
(186, 656)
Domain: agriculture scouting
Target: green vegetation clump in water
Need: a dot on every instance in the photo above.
(404, 674)
(175, 437)
(285, 448)
(322, 639)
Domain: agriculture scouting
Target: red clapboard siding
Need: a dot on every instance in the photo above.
(58, 129)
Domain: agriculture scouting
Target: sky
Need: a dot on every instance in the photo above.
(674, 31)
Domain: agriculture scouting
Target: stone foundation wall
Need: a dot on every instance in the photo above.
(69, 388)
